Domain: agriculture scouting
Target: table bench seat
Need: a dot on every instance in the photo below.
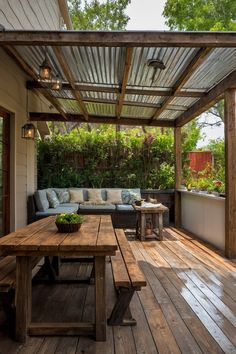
(128, 278)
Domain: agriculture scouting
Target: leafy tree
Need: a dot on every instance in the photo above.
(99, 15)
(201, 15)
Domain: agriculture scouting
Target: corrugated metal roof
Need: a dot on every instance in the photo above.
(99, 75)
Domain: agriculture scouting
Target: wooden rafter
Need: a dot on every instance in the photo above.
(137, 91)
(128, 59)
(39, 116)
(13, 53)
(119, 39)
(213, 96)
(184, 77)
(69, 75)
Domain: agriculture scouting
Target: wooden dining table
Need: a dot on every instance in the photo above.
(95, 238)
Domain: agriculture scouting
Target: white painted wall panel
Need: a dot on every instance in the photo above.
(204, 215)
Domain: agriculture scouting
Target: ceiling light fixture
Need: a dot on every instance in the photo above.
(156, 63)
(45, 75)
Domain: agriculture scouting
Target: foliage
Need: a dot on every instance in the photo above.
(69, 219)
(201, 15)
(99, 15)
(104, 158)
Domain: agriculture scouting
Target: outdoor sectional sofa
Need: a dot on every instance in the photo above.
(114, 201)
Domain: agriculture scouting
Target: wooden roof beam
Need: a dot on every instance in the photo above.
(128, 59)
(148, 92)
(184, 77)
(13, 53)
(204, 103)
(39, 116)
(119, 38)
(69, 75)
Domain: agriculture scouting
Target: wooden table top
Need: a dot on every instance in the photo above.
(95, 237)
(152, 209)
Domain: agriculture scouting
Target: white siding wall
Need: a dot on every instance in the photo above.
(13, 98)
(30, 14)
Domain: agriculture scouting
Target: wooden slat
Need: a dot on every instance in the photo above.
(69, 75)
(185, 75)
(56, 329)
(128, 59)
(136, 276)
(106, 237)
(213, 96)
(119, 270)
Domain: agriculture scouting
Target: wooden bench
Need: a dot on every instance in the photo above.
(128, 278)
(8, 285)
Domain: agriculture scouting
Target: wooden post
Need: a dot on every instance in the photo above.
(100, 298)
(230, 172)
(23, 297)
(178, 175)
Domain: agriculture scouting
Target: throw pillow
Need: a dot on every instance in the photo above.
(114, 197)
(76, 196)
(52, 198)
(41, 200)
(95, 196)
(63, 197)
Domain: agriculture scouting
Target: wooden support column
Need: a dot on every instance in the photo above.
(230, 171)
(178, 175)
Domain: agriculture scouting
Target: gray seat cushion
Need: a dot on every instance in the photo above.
(124, 207)
(104, 207)
(41, 199)
(60, 209)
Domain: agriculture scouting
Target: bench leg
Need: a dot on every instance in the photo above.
(121, 309)
(8, 304)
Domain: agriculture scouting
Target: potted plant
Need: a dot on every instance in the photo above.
(68, 222)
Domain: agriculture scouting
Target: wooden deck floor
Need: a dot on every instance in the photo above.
(189, 305)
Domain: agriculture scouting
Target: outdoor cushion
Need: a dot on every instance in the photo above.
(128, 195)
(63, 196)
(114, 196)
(41, 200)
(76, 196)
(74, 205)
(95, 196)
(124, 207)
(52, 198)
(58, 210)
(108, 207)
(103, 193)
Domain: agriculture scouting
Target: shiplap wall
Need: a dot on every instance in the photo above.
(30, 14)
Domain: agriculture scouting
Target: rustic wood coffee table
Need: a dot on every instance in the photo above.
(155, 213)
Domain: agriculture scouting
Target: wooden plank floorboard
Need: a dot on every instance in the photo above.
(188, 306)
(215, 322)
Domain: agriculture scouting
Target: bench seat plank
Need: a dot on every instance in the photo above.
(135, 274)
(120, 275)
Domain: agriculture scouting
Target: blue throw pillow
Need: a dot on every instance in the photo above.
(52, 198)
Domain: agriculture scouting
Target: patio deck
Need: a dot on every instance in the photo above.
(189, 305)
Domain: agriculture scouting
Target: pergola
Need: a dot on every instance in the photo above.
(163, 79)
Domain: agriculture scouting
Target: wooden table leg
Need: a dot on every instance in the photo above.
(23, 297)
(160, 215)
(100, 298)
(142, 226)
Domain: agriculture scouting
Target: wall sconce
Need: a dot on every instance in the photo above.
(28, 131)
